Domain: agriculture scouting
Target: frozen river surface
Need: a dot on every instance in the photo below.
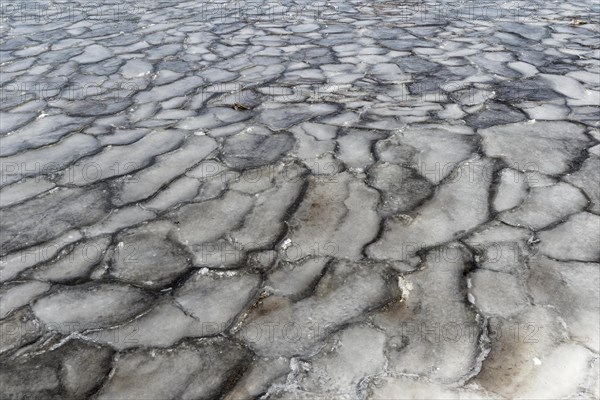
(343, 200)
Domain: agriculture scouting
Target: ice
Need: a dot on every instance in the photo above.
(17, 295)
(560, 374)
(336, 218)
(119, 219)
(354, 148)
(179, 190)
(352, 201)
(207, 221)
(262, 260)
(40, 132)
(569, 288)
(529, 31)
(212, 188)
(494, 114)
(285, 117)
(165, 168)
(496, 232)
(342, 295)
(135, 69)
(313, 144)
(83, 366)
(258, 377)
(169, 90)
(525, 69)
(497, 293)
(141, 113)
(327, 165)
(451, 111)
(161, 52)
(511, 191)
(163, 326)
(190, 370)
(414, 388)
(546, 205)
(259, 180)
(123, 136)
(72, 370)
(473, 97)
(18, 329)
(215, 118)
(121, 160)
(305, 76)
(458, 205)
(250, 151)
(146, 257)
(545, 111)
(14, 263)
(417, 64)
(72, 263)
(587, 178)
(46, 160)
(202, 296)
(546, 147)
(434, 325)
(583, 226)
(501, 248)
(49, 215)
(401, 187)
(318, 131)
(93, 54)
(343, 119)
(262, 226)
(14, 120)
(567, 86)
(213, 75)
(173, 114)
(24, 190)
(95, 108)
(593, 382)
(432, 150)
(584, 77)
(531, 89)
(89, 306)
(295, 279)
(514, 343)
(349, 360)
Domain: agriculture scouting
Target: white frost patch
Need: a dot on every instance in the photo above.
(405, 287)
(471, 298)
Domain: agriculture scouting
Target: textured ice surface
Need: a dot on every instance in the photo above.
(551, 282)
(336, 217)
(546, 147)
(458, 205)
(344, 293)
(583, 226)
(511, 190)
(165, 168)
(72, 370)
(194, 370)
(147, 251)
(73, 263)
(434, 304)
(201, 296)
(89, 306)
(299, 200)
(545, 205)
(47, 216)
